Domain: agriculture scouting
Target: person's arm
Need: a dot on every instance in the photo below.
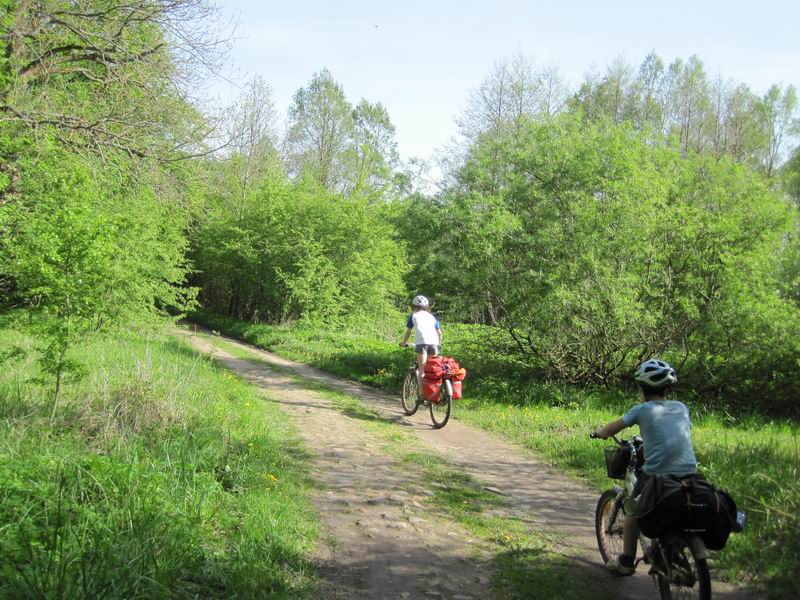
(613, 428)
(406, 335)
(439, 331)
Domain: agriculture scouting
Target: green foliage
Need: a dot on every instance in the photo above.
(680, 102)
(339, 147)
(6, 19)
(104, 75)
(163, 476)
(297, 252)
(596, 249)
(86, 249)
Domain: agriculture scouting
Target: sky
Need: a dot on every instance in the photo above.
(420, 59)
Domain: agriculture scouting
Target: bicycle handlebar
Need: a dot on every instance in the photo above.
(619, 442)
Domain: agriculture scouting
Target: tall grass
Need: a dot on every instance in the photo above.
(161, 476)
(757, 460)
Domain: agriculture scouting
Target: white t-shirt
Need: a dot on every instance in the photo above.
(426, 327)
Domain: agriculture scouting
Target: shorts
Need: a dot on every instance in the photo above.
(430, 349)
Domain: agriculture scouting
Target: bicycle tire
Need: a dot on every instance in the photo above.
(410, 395)
(608, 525)
(440, 411)
(691, 578)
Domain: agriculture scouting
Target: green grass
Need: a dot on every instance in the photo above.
(527, 564)
(757, 460)
(161, 476)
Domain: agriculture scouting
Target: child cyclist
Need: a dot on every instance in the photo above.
(665, 429)
(427, 333)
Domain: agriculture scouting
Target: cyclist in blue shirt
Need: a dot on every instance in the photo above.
(427, 333)
(665, 428)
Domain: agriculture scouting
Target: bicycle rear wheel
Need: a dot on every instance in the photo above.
(608, 521)
(687, 577)
(440, 411)
(410, 396)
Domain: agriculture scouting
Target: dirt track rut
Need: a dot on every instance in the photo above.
(387, 547)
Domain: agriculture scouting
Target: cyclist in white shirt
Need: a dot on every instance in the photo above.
(427, 333)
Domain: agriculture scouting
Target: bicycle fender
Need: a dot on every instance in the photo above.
(698, 546)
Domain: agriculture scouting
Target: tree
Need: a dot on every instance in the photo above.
(108, 76)
(514, 91)
(299, 253)
(87, 249)
(374, 148)
(689, 101)
(597, 248)
(94, 118)
(320, 127)
(250, 135)
(647, 90)
(778, 113)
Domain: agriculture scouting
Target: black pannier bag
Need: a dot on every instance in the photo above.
(668, 504)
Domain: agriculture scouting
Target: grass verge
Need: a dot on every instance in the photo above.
(162, 475)
(757, 460)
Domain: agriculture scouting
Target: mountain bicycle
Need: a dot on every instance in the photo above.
(412, 399)
(678, 561)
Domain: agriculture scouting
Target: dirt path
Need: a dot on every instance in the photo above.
(388, 549)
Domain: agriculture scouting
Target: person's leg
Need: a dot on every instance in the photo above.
(624, 563)
(630, 536)
(422, 358)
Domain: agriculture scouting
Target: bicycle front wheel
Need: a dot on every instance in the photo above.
(686, 577)
(608, 522)
(410, 396)
(440, 411)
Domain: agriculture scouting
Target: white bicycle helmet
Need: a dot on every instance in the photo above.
(655, 373)
(421, 301)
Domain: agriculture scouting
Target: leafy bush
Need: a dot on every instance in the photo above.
(297, 252)
(595, 248)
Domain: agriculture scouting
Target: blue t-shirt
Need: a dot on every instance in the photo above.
(666, 431)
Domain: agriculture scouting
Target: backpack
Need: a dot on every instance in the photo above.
(669, 503)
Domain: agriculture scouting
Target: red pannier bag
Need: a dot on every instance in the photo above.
(432, 372)
(452, 370)
(456, 380)
(449, 366)
(431, 389)
(433, 368)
